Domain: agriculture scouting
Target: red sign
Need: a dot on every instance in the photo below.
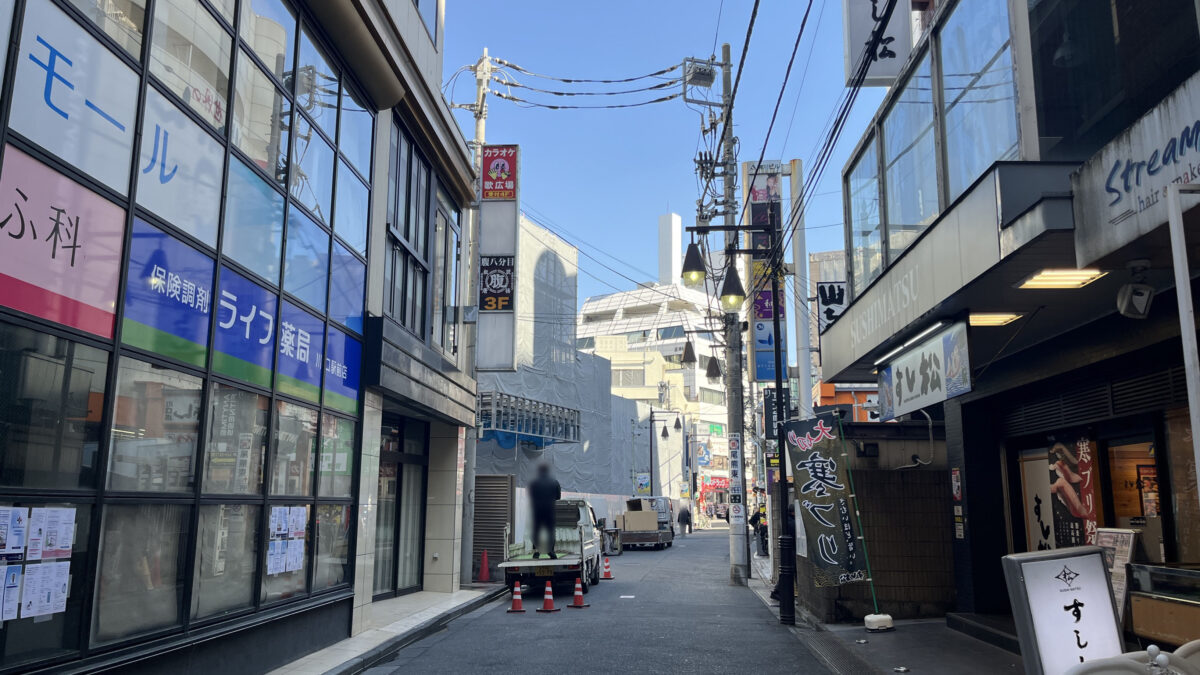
(499, 179)
(718, 483)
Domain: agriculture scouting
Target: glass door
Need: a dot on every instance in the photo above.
(400, 521)
(385, 529)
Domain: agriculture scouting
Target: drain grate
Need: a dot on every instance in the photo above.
(833, 653)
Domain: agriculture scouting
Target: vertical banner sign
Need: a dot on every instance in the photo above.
(1072, 482)
(936, 370)
(496, 283)
(1039, 511)
(499, 231)
(831, 302)
(61, 258)
(766, 216)
(770, 422)
(499, 173)
(821, 478)
(737, 503)
(244, 342)
(860, 20)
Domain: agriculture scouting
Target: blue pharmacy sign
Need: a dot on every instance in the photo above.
(301, 353)
(343, 361)
(168, 296)
(244, 341)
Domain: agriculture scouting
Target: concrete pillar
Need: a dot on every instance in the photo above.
(443, 508)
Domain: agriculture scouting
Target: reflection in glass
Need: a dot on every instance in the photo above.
(225, 7)
(50, 415)
(306, 269)
(418, 205)
(333, 546)
(312, 170)
(156, 427)
(355, 132)
(141, 578)
(412, 512)
(350, 221)
(398, 182)
(295, 449)
(279, 583)
(190, 53)
(980, 97)
(337, 457)
(385, 528)
(253, 222)
(910, 161)
(226, 559)
(439, 277)
(237, 441)
(346, 283)
(260, 121)
(123, 20)
(414, 302)
(866, 239)
(316, 86)
(269, 27)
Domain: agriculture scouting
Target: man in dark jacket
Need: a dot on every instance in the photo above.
(543, 492)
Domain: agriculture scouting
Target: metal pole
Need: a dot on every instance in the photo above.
(801, 285)
(652, 434)
(739, 551)
(1187, 310)
(787, 545)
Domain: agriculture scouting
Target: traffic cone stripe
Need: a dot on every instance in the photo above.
(548, 600)
(578, 603)
(516, 603)
(607, 571)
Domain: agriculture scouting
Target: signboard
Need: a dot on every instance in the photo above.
(496, 283)
(1122, 188)
(831, 302)
(763, 307)
(499, 179)
(168, 296)
(61, 258)
(770, 421)
(935, 370)
(703, 454)
(737, 512)
(860, 20)
(819, 469)
(301, 353)
(764, 350)
(74, 97)
(343, 362)
(244, 340)
(642, 483)
(1118, 548)
(1063, 607)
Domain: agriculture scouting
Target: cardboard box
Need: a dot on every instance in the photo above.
(640, 521)
(619, 522)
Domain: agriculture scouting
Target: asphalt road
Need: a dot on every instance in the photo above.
(680, 615)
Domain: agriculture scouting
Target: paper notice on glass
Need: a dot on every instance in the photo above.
(281, 521)
(275, 560)
(298, 519)
(12, 593)
(63, 534)
(60, 586)
(5, 513)
(274, 522)
(17, 520)
(35, 600)
(295, 555)
(50, 538)
(37, 535)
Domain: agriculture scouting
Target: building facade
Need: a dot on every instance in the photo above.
(211, 399)
(1013, 186)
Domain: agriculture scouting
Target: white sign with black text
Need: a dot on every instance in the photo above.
(859, 20)
(737, 511)
(831, 302)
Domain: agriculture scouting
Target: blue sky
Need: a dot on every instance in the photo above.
(601, 178)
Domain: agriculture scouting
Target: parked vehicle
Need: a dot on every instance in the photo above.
(577, 543)
(648, 522)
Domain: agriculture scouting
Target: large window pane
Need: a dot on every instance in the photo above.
(289, 548)
(253, 222)
(414, 304)
(337, 457)
(295, 451)
(398, 182)
(350, 221)
(866, 239)
(226, 559)
(418, 206)
(190, 54)
(141, 579)
(260, 120)
(306, 270)
(237, 441)
(428, 9)
(346, 284)
(980, 97)
(910, 161)
(269, 27)
(50, 416)
(333, 546)
(312, 170)
(451, 297)
(385, 528)
(412, 514)
(439, 276)
(316, 86)
(123, 20)
(156, 429)
(355, 128)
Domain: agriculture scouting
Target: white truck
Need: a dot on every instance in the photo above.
(648, 522)
(577, 543)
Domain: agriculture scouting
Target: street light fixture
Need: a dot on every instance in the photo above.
(665, 435)
(732, 293)
(713, 371)
(693, 266)
(678, 425)
(689, 354)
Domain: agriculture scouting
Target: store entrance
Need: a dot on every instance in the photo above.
(400, 521)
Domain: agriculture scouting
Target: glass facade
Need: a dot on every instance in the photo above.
(910, 161)
(180, 352)
(866, 229)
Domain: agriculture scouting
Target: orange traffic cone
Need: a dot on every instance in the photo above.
(484, 575)
(548, 600)
(516, 608)
(578, 603)
(607, 571)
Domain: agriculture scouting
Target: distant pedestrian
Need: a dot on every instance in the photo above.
(543, 492)
(685, 520)
(759, 522)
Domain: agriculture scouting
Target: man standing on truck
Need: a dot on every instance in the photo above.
(543, 492)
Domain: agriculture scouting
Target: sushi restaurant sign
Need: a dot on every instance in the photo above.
(931, 372)
(1120, 193)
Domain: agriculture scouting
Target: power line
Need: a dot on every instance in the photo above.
(548, 106)
(553, 92)
(531, 73)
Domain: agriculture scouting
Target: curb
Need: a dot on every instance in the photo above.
(391, 646)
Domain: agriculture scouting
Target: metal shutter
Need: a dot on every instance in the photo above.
(493, 511)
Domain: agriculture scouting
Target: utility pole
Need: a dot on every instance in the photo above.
(739, 545)
(469, 270)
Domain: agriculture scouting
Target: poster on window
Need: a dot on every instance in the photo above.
(820, 473)
(1072, 482)
(499, 179)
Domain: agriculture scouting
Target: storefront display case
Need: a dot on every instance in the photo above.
(1165, 602)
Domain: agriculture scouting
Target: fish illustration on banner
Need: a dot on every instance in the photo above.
(821, 475)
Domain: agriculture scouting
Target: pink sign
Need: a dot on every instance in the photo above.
(60, 246)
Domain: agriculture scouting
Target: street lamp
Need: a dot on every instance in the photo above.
(665, 435)
(693, 266)
(713, 371)
(689, 354)
(678, 426)
(732, 293)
